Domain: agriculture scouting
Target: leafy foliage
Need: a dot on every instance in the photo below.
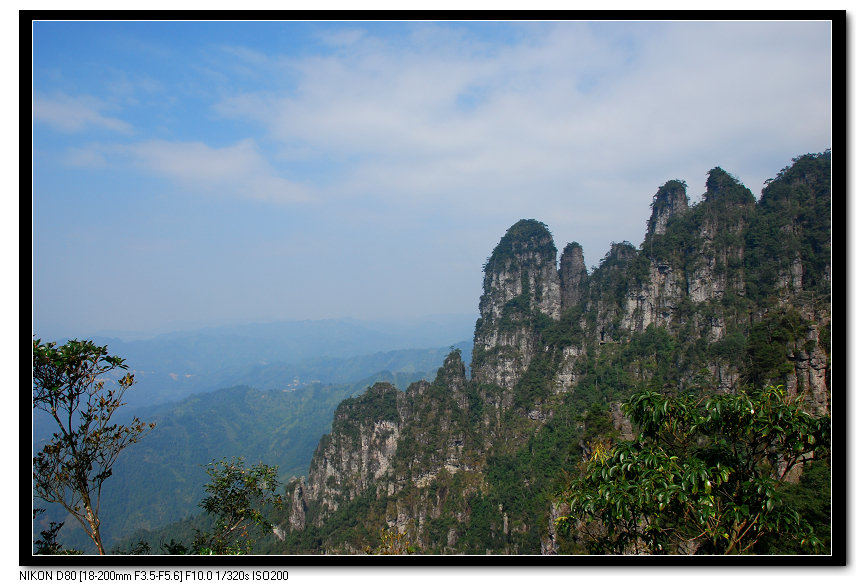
(703, 475)
(72, 466)
(237, 497)
(811, 497)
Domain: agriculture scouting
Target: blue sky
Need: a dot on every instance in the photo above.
(190, 174)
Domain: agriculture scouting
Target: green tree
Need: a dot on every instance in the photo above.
(703, 476)
(237, 497)
(69, 385)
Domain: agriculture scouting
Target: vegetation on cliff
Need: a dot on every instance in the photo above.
(679, 318)
(523, 237)
(669, 401)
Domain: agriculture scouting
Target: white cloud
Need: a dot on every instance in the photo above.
(584, 117)
(238, 170)
(246, 55)
(436, 137)
(436, 119)
(75, 114)
(129, 87)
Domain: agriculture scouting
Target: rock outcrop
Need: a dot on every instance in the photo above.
(669, 201)
(358, 451)
(361, 452)
(521, 281)
(449, 462)
(573, 276)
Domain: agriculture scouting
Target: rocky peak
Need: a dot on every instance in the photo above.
(670, 200)
(608, 288)
(723, 187)
(621, 253)
(452, 375)
(441, 459)
(522, 265)
(520, 281)
(357, 452)
(573, 275)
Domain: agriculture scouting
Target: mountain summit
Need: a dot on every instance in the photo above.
(726, 293)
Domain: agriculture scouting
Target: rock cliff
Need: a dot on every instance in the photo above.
(727, 292)
(357, 453)
(521, 282)
(573, 276)
(670, 200)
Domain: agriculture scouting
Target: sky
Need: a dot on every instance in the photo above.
(188, 174)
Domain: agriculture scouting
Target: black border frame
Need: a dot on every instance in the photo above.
(83, 565)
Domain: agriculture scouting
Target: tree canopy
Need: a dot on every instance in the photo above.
(702, 476)
(238, 497)
(69, 385)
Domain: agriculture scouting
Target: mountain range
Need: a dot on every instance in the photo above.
(466, 457)
(727, 293)
(231, 402)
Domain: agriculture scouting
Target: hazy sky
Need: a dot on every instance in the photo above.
(205, 173)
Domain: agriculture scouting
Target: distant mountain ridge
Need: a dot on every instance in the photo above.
(172, 366)
(274, 413)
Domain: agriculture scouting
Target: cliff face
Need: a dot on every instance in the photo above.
(356, 454)
(386, 443)
(670, 200)
(728, 292)
(573, 276)
(520, 282)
